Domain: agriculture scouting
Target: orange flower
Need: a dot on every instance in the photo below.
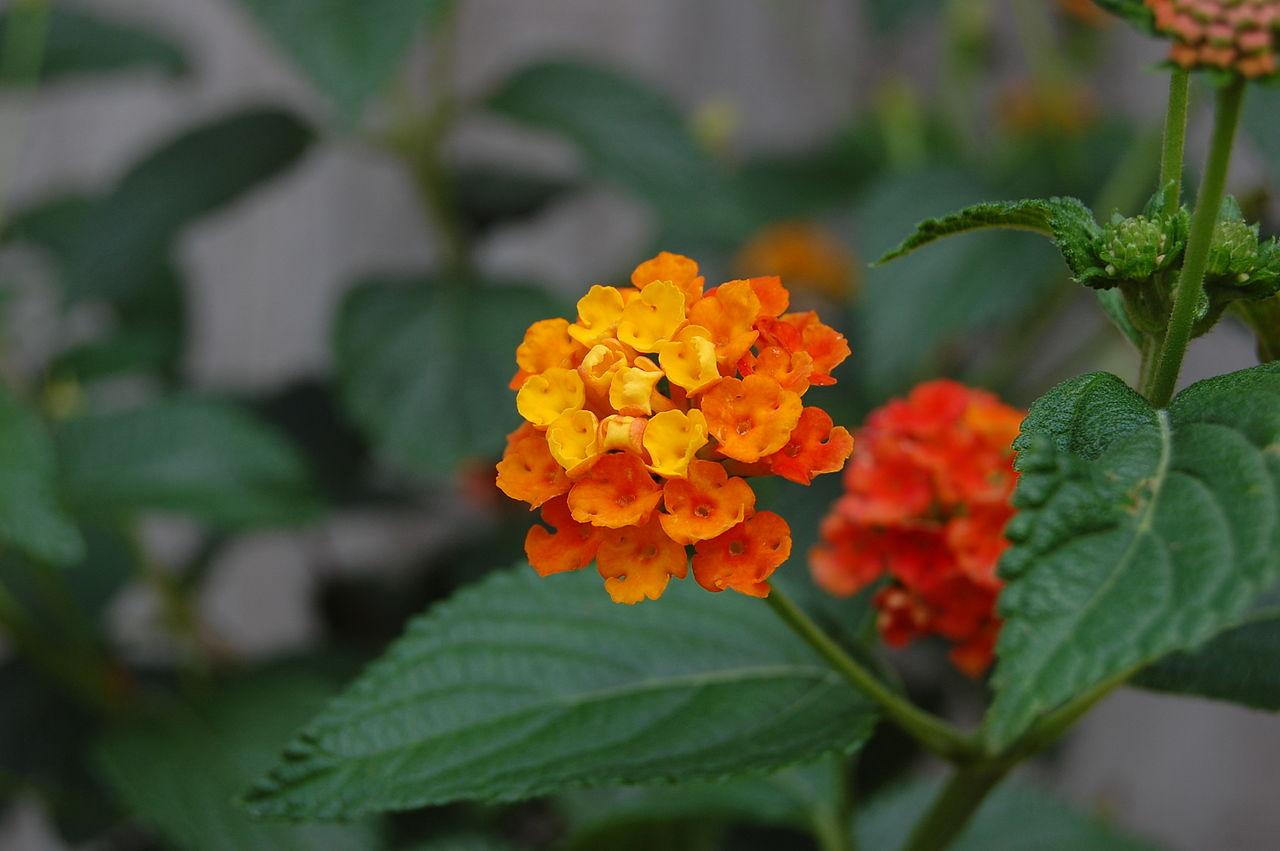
(638, 561)
(744, 557)
(676, 268)
(802, 253)
(816, 446)
(927, 501)
(572, 546)
(1228, 35)
(634, 412)
(803, 332)
(752, 417)
(616, 491)
(528, 471)
(729, 313)
(706, 504)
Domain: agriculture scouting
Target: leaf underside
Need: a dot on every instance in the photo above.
(1139, 533)
(522, 686)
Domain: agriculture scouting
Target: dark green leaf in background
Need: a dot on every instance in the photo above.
(892, 15)
(201, 457)
(348, 48)
(485, 197)
(179, 771)
(1017, 817)
(79, 44)
(522, 686)
(1261, 123)
(31, 516)
(424, 365)
(959, 288)
(1136, 12)
(634, 137)
(1242, 665)
(1139, 533)
(117, 244)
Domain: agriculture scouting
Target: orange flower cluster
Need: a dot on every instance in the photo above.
(635, 413)
(927, 499)
(1237, 35)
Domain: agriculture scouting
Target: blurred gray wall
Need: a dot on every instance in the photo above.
(265, 276)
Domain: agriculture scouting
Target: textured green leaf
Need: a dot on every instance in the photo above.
(348, 48)
(1242, 665)
(424, 366)
(76, 43)
(200, 457)
(633, 136)
(1067, 221)
(117, 244)
(179, 772)
(1017, 817)
(1135, 12)
(31, 517)
(1139, 533)
(522, 686)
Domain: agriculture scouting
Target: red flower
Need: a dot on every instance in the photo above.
(927, 501)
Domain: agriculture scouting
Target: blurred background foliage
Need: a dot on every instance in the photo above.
(103, 432)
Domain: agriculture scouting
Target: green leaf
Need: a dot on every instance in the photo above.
(1112, 303)
(117, 244)
(1017, 817)
(891, 15)
(1067, 221)
(1139, 533)
(522, 686)
(1242, 665)
(1261, 122)
(200, 457)
(77, 43)
(424, 365)
(630, 135)
(1135, 12)
(31, 516)
(797, 797)
(348, 48)
(490, 196)
(179, 771)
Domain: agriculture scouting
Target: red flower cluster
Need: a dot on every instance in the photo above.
(1237, 35)
(927, 500)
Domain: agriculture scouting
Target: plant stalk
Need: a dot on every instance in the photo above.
(1175, 139)
(933, 733)
(955, 805)
(1190, 284)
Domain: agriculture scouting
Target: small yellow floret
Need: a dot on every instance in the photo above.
(621, 433)
(598, 314)
(672, 439)
(653, 318)
(546, 396)
(574, 438)
(690, 359)
(632, 389)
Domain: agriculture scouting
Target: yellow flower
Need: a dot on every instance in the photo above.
(632, 389)
(598, 314)
(618, 432)
(690, 359)
(574, 438)
(546, 396)
(672, 439)
(653, 318)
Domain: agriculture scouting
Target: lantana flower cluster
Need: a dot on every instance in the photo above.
(644, 416)
(927, 499)
(1229, 35)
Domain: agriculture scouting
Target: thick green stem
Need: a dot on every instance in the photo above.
(933, 733)
(955, 805)
(1188, 289)
(1175, 140)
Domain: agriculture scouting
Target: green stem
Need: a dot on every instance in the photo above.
(955, 805)
(1187, 291)
(1175, 139)
(933, 733)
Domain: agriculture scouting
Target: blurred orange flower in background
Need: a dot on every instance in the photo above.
(802, 254)
(926, 502)
(632, 410)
